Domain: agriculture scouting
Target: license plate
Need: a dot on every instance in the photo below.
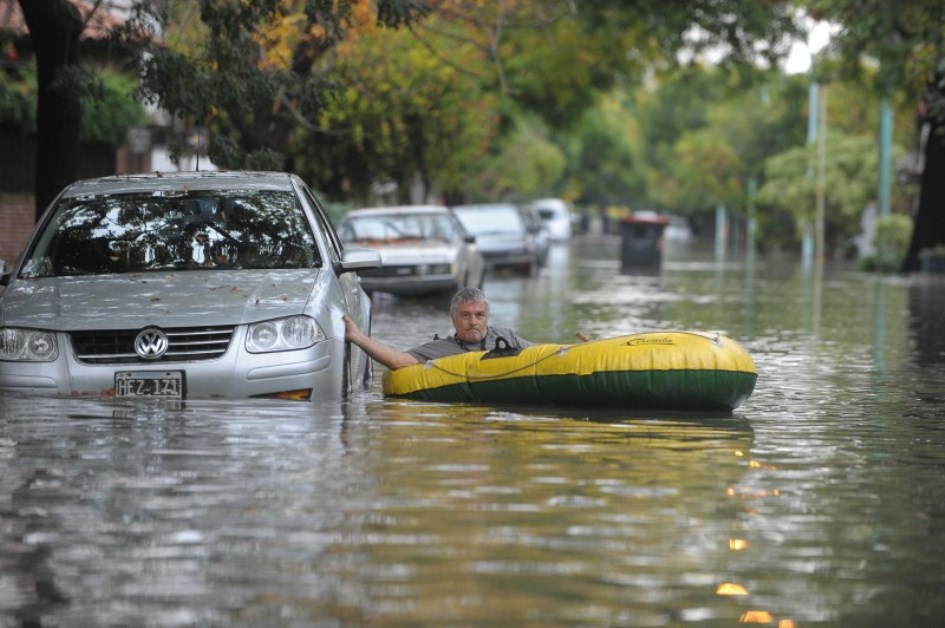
(165, 384)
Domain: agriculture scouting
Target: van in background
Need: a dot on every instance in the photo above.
(556, 215)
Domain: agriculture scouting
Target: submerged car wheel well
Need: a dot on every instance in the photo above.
(346, 373)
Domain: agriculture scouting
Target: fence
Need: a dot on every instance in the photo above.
(18, 160)
(18, 180)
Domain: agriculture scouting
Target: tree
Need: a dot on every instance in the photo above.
(250, 72)
(55, 26)
(605, 167)
(677, 105)
(403, 115)
(109, 108)
(850, 179)
(272, 80)
(708, 132)
(557, 59)
(908, 39)
(526, 164)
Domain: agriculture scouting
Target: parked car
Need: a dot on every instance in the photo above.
(502, 235)
(556, 215)
(185, 285)
(678, 230)
(424, 249)
(539, 232)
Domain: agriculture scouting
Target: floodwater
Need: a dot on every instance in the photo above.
(820, 501)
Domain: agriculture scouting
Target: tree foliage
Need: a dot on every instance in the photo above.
(403, 112)
(110, 107)
(109, 104)
(459, 99)
(708, 132)
(850, 180)
(322, 88)
(606, 167)
(18, 101)
(908, 40)
(526, 164)
(251, 72)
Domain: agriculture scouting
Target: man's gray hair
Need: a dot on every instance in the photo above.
(468, 295)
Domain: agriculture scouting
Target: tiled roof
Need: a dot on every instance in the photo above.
(99, 22)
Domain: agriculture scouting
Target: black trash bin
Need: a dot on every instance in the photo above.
(641, 242)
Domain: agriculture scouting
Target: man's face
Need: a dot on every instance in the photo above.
(471, 321)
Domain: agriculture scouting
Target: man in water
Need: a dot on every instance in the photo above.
(469, 312)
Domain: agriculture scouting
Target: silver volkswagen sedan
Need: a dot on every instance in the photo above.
(185, 285)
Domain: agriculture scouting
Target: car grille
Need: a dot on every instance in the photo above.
(118, 346)
(410, 270)
(501, 256)
(394, 271)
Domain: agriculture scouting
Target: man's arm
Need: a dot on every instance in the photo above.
(388, 356)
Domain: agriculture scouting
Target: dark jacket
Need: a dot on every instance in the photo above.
(441, 347)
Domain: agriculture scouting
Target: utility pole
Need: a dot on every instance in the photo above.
(721, 232)
(885, 154)
(819, 235)
(752, 221)
(807, 243)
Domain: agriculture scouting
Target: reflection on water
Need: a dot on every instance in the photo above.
(927, 321)
(820, 501)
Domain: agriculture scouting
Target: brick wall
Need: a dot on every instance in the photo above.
(16, 224)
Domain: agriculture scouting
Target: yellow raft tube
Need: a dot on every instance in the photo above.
(670, 370)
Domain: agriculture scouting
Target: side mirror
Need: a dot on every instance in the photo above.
(4, 275)
(469, 238)
(356, 259)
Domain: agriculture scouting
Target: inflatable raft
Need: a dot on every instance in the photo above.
(671, 370)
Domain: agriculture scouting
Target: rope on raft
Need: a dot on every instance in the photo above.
(432, 364)
(716, 340)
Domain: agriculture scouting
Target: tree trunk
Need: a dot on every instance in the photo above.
(929, 226)
(55, 26)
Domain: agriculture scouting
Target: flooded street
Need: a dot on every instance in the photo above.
(820, 501)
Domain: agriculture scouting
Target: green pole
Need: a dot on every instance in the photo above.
(813, 105)
(721, 231)
(885, 155)
(820, 241)
(752, 220)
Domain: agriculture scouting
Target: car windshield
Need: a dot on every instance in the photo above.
(492, 220)
(128, 233)
(387, 228)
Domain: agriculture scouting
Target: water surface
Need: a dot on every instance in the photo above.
(820, 501)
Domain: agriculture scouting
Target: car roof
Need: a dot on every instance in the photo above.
(398, 209)
(167, 181)
(478, 206)
(550, 203)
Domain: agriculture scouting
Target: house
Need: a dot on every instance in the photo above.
(140, 153)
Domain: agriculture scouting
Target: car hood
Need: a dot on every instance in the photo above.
(179, 299)
(495, 241)
(416, 254)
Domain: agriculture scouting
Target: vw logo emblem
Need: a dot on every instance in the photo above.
(151, 343)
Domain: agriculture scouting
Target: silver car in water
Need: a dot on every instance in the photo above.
(424, 249)
(503, 234)
(185, 285)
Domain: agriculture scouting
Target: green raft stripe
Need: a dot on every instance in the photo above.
(687, 389)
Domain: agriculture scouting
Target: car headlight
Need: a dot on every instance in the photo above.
(283, 334)
(28, 345)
